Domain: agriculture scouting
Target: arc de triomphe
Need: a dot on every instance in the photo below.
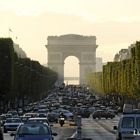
(82, 47)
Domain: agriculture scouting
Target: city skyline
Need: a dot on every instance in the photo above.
(114, 23)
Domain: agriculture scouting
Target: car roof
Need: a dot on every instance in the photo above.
(13, 119)
(38, 118)
(131, 115)
(30, 113)
(12, 111)
(30, 123)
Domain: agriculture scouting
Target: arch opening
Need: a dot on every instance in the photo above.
(71, 70)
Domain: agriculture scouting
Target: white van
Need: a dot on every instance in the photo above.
(129, 126)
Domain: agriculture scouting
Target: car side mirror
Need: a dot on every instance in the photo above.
(54, 134)
(12, 134)
(115, 128)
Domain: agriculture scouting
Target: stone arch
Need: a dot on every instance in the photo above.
(82, 47)
(77, 55)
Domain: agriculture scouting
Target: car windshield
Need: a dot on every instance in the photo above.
(128, 122)
(138, 122)
(33, 129)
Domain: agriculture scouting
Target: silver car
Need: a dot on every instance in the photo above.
(11, 124)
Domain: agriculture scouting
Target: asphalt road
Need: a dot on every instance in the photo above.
(63, 132)
(99, 129)
(94, 129)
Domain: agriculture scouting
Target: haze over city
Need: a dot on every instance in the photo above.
(115, 23)
(70, 69)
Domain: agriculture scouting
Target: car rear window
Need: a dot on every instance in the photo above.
(33, 129)
(13, 121)
(128, 122)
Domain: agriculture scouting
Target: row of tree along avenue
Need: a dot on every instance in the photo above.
(119, 78)
(21, 79)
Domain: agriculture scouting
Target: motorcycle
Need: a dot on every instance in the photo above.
(61, 121)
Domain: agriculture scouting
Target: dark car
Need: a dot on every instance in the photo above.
(33, 131)
(24, 119)
(3, 119)
(84, 113)
(53, 116)
(41, 115)
(1, 133)
(102, 114)
(13, 112)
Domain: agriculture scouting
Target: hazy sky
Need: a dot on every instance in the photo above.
(115, 23)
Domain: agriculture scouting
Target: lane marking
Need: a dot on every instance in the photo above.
(74, 135)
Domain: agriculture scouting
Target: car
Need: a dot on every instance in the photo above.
(53, 116)
(68, 115)
(1, 133)
(42, 115)
(84, 113)
(11, 124)
(43, 111)
(128, 126)
(24, 118)
(113, 111)
(3, 119)
(32, 131)
(102, 114)
(30, 114)
(13, 112)
(91, 109)
(9, 115)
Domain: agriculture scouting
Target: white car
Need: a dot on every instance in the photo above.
(128, 126)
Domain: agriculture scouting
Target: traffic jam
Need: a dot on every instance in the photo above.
(56, 118)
